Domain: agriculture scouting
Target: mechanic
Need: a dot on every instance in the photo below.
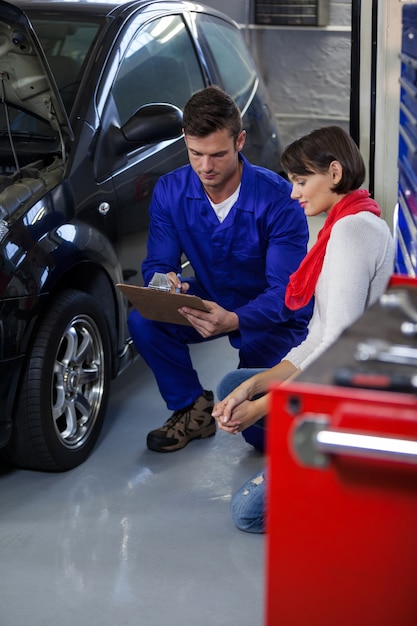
(243, 236)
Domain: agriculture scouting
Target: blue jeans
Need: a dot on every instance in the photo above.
(248, 505)
(255, 434)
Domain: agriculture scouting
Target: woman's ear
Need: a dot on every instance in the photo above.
(336, 172)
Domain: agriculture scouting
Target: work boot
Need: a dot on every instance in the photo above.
(192, 422)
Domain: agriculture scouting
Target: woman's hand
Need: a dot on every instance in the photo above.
(223, 409)
(236, 412)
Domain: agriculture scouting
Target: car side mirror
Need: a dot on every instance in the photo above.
(150, 124)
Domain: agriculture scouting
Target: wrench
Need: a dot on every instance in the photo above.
(351, 377)
(378, 350)
(409, 329)
(400, 299)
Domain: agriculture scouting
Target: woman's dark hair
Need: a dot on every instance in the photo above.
(313, 153)
(209, 110)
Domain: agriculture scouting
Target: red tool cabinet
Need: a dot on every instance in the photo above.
(342, 492)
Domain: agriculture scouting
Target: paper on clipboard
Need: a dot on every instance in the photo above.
(161, 306)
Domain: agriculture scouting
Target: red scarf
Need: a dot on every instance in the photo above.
(302, 283)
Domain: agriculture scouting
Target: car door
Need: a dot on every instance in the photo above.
(158, 64)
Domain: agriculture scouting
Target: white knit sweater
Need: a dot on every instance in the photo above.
(358, 264)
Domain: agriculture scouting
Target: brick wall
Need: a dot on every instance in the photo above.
(306, 69)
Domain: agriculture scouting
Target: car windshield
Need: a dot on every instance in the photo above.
(66, 44)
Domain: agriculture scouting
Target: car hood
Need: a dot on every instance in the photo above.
(26, 80)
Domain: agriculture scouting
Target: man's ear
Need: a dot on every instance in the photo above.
(336, 171)
(240, 141)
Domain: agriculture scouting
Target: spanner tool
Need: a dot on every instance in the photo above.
(400, 299)
(378, 350)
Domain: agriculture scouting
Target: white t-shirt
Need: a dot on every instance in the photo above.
(358, 264)
(223, 208)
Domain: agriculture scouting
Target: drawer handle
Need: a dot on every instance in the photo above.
(407, 214)
(313, 442)
(408, 141)
(411, 118)
(406, 58)
(408, 87)
(408, 261)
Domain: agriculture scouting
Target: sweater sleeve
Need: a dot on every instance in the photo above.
(357, 267)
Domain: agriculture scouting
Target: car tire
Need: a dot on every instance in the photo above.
(65, 387)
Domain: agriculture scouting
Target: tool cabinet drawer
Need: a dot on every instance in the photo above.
(342, 541)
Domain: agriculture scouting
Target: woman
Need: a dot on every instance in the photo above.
(346, 270)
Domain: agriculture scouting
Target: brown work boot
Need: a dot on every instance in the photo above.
(192, 422)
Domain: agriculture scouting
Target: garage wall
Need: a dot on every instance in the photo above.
(306, 69)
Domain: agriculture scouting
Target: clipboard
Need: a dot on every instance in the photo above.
(159, 305)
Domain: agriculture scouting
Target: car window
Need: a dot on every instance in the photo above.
(230, 56)
(160, 65)
(66, 45)
(72, 40)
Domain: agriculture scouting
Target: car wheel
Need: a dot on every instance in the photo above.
(65, 387)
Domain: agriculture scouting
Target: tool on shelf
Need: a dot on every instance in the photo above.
(385, 351)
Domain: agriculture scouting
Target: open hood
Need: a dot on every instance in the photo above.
(26, 81)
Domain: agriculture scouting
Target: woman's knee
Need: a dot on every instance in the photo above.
(233, 379)
(227, 384)
(248, 505)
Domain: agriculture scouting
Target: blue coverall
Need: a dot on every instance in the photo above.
(243, 264)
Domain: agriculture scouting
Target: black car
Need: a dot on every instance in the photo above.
(90, 117)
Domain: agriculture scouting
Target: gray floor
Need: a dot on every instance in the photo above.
(134, 537)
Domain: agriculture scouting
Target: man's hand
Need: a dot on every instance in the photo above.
(177, 286)
(215, 322)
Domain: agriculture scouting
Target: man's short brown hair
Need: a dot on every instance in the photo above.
(210, 110)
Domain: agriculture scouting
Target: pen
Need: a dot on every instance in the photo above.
(178, 289)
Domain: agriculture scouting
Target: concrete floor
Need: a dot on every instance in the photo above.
(133, 537)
